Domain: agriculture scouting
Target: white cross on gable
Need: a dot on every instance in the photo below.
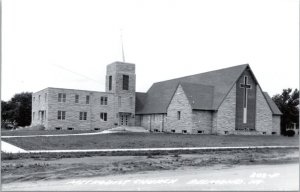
(245, 86)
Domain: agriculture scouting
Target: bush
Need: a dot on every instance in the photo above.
(37, 127)
(290, 133)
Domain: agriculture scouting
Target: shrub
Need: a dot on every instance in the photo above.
(37, 127)
(290, 133)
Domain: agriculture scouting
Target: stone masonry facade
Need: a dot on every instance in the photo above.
(70, 109)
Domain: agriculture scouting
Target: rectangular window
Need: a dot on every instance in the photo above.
(119, 101)
(82, 115)
(178, 115)
(57, 128)
(125, 82)
(173, 130)
(103, 100)
(33, 113)
(61, 115)
(61, 97)
(64, 97)
(45, 97)
(87, 99)
(200, 132)
(76, 98)
(39, 98)
(33, 99)
(70, 128)
(184, 131)
(103, 116)
(109, 83)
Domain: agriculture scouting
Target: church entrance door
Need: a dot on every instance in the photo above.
(124, 118)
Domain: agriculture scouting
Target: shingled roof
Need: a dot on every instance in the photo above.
(212, 87)
(199, 96)
(272, 105)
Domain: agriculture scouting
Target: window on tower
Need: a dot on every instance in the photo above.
(110, 83)
(125, 82)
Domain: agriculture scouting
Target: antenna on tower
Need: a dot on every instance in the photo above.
(123, 55)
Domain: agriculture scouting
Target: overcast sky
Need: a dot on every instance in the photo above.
(68, 43)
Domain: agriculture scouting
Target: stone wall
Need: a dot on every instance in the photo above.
(276, 124)
(39, 103)
(202, 121)
(264, 122)
(180, 103)
(93, 109)
(157, 122)
(145, 121)
(152, 121)
(225, 117)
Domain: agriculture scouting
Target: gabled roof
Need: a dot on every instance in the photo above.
(272, 105)
(160, 94)
(199, 96)
(140, 99)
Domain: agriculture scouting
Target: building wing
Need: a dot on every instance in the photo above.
(160, 94)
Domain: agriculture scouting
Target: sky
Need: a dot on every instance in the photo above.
(68, 43)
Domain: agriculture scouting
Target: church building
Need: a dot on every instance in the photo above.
(225, 101)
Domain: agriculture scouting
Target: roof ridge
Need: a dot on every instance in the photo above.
(203, 73)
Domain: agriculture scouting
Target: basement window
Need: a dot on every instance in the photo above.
(58, 128)
(201, 132)
(156, 130)
(184, 131)
(173, 131)
(274, 133)
(226, 132)
(70, 128)
(264, 133)
(96, 129)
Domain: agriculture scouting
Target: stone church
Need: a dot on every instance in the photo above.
(225, 101)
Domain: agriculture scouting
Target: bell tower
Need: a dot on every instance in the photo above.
(120, 81)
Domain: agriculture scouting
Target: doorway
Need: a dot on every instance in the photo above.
(124, 119)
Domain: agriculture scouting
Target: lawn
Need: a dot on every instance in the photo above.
(148, 140)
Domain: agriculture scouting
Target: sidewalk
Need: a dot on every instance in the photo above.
(9, 148)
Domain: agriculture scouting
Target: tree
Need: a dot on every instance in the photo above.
(17, 110)
(288, 103)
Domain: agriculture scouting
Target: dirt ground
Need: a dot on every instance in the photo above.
(42, 169)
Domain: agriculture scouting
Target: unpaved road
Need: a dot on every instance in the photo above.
(245, 177)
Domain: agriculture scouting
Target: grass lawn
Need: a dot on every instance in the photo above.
(147, 140)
